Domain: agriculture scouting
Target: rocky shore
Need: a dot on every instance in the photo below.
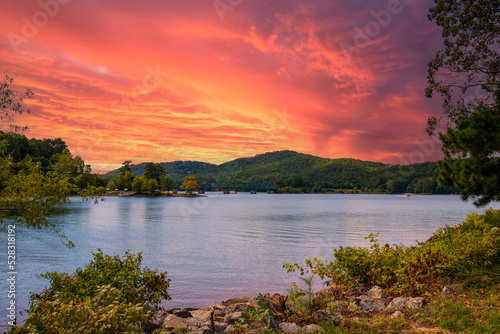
(278, 313)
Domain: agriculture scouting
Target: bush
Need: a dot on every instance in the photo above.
(100, 190)
(456, 253)
(109, 295)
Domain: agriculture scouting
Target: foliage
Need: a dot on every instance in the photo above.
(27, 194)
(288, 171)
(100, 190)
(467, 74)
(125, 167)
(470, 58)
(154, 171)
(452, 253)
(11, 104)
(108, 295)
(138, 184)
(125, 180)
(111, 186)
(303, 299)
(263, 310)
(166, 182)
(190, 184)
(31, 187)
(105, 312)
(471, 160)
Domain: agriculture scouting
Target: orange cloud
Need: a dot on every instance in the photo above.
(162, 81)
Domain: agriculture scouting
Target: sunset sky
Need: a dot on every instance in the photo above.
(212, 81)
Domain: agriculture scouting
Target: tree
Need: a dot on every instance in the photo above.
(138, 184)
(28, 192)
(125, 167)
(154, 171)
(111, 186)
(190, 184)
(11, 104)
(125, 180)
(150, 186)
(466, 73)
(166, 182)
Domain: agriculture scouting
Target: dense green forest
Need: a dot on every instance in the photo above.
(289, 171)
(52, 155)
(282, 171)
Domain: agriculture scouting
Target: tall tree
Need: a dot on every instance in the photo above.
(125, 167)
(466, 73)
(154, 171)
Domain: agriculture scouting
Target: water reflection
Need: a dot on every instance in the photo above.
(221, 246)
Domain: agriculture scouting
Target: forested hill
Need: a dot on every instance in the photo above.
(177, 170)
(289, 171)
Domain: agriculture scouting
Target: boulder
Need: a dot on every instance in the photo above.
(368, 304)
(397, 314)
(198, 319)
(184, 313)
(446, 291)
(271, 322)
(174, 322)
(231, 318)
(203, 330)
(416, 302)
(397, 304)
(375, 292)
(289, 327)
(240, 307)
(229, 329)
(237, 300)
(327, 315)
(311, 328)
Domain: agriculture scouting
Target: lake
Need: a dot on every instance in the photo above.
(223, 246)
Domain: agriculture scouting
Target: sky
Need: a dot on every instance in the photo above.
(214, 80)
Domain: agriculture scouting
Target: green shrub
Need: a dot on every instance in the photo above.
(457, 253)
(109, 295)
(100, 190)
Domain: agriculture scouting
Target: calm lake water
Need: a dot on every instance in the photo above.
(222, 246)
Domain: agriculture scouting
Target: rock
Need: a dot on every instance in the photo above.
(289, 327)
(271, 322)
(416, 302)
(203, 330)
(397, 304)
(368, 304)
(219, 327)
(311, 328)
(375, 292)
(397, 314)
(184, 313)
(237, 300)
(229, 329)
(237, 307)
(356, 292)
(327, 315)
(446, 291)
(174, 322)
(231, 318)
(198, 319)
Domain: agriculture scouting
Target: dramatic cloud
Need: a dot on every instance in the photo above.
(216, 80)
